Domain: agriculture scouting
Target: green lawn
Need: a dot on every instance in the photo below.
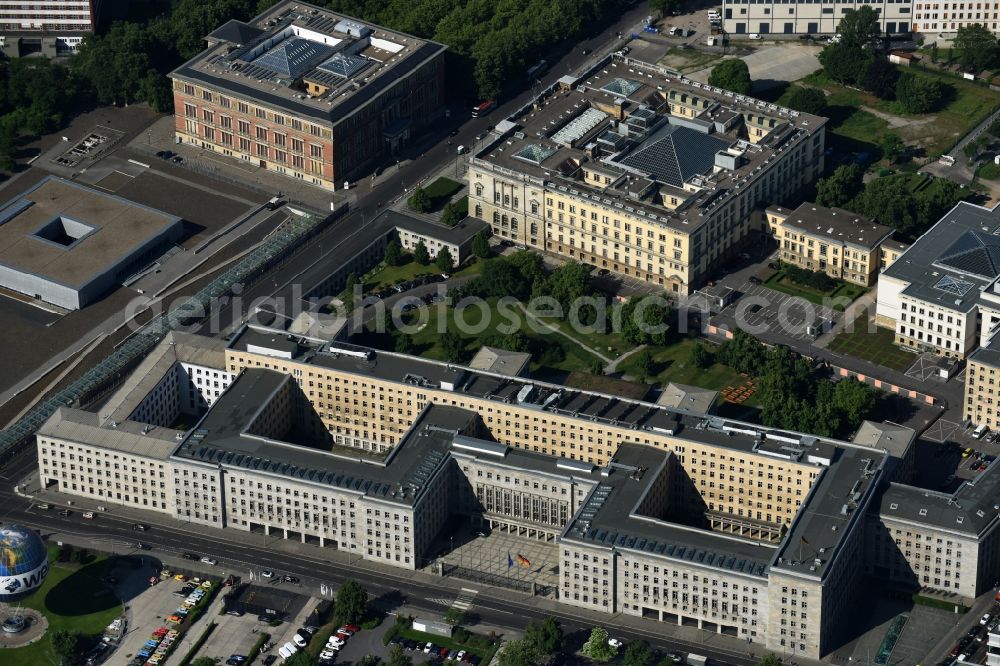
(441, 190)
(384, 275)
(875, 347)
(673, 364)
(780, 282)
(989, 171)
(560, 356)
(73, 598)
(967, 105)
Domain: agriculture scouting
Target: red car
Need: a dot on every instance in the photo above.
(355, 628)
(443, 653)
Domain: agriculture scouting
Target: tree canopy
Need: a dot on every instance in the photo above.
(491, 42)
(841, 186)
(519, 653)
(638, 653)
(919, 94)
(597, 647)
(976, 47)
(732, 74)
(351, 603)
(546, 636)
(859, 28)
(892, 200)
(807, 100)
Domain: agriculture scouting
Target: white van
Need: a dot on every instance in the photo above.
(980, 430)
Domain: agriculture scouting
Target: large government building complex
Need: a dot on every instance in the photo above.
(649, 175)
(657, 512)
(309, 93)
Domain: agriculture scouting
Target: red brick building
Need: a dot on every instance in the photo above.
(309, 93)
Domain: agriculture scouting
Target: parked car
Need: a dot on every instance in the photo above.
(299, 640)
(267, 573)
(984, 620)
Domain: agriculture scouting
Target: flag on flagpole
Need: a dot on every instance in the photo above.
(510, 560)
(523, 561)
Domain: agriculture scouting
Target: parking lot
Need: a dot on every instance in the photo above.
(233, 635)
(948, 453)
(760, 309)
(149, 611)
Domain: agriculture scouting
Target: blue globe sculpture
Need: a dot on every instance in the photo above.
(24, 561)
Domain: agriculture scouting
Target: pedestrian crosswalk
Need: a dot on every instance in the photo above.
(465, 599)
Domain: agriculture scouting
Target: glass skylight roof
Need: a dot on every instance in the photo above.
(534, 153)
(621, 87)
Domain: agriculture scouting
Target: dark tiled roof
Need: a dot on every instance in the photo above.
(236, 32)
(974, 252)
(674, 154)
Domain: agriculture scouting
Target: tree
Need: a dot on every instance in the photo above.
(645, 322)
(398, 658)
(351, 604)
(855, 399)
(638, 653)
(421, 255)
(644, 363)
(203, 661)
(732, 74)
(892, 146)
(444, 260)
(879, 78)
(298, 659)
(419, 201)
(701, 358)
(919, 94)
(393, 253)
(769, 659)
(596, 366)
(519, 653)
(976, 48)
(350, 282)
(67, 645)
(369, 660)
(845, 64)
(404, 344)
(859, 28)
(480, 245)
(840, 187)
(665, 7)
(456, 616)
(597, 647)
(452, 214)
(807, 100)
(453, 346)
(546, 636)
(568, 283)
